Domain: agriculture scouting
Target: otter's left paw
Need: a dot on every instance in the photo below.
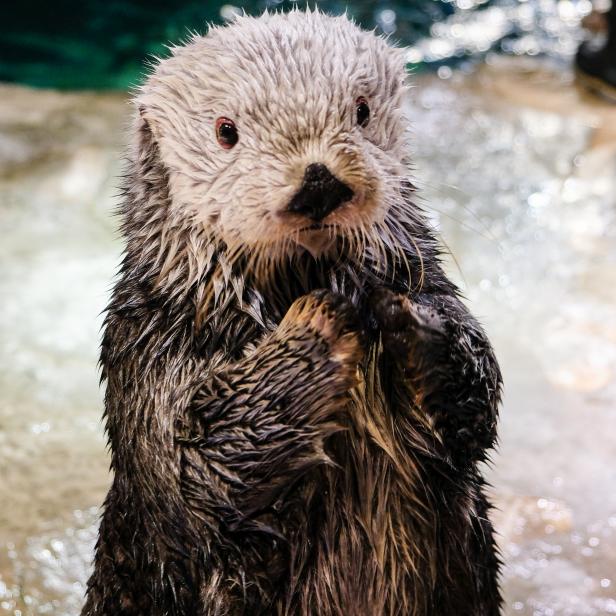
(405, 327)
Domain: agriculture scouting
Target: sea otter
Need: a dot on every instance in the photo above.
(297, 401)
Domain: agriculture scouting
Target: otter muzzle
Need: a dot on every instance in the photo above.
(320, 194)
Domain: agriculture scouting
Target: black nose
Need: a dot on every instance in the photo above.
(320, 193)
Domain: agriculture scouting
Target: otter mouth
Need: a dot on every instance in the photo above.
(316, 238)
(316, 226)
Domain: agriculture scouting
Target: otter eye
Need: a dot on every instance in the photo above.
(363, 111)
(226, 133)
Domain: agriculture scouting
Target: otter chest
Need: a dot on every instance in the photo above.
(366, 521)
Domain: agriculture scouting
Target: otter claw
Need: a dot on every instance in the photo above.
(392, 311)
(401, 322)
(333, 319)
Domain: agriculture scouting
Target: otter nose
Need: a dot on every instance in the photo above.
(320, 193)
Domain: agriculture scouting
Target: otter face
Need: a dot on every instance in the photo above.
(282, 133)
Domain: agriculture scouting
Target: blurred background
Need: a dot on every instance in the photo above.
(516, 165)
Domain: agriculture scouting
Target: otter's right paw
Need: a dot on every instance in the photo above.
(333, 319)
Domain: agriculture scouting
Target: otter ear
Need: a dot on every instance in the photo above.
(400, 58)
(147, 169)
(395, 78)
(147, 127)
(145, 138)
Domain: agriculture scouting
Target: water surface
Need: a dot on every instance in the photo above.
(524, 193)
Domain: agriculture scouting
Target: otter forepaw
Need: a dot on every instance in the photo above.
(332, 318)
(403, 324)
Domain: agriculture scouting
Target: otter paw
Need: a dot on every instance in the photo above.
(403, 324)
(332, 318)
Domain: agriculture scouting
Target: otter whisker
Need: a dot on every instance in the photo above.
(297, 403)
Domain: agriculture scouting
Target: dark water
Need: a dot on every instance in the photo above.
(98, 44)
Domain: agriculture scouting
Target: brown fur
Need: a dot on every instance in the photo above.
(296, 438)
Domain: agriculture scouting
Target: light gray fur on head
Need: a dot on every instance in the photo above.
(290, 83)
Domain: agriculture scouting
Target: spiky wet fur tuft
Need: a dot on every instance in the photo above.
(271, 455)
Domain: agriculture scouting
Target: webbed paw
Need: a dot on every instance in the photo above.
(332, 318)
(404, 325)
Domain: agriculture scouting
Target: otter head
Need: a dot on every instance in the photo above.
(281, 133)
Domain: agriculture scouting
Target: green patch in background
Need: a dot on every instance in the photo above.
(97, 44)
(102, 45)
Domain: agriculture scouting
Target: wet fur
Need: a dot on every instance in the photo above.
(280, 449)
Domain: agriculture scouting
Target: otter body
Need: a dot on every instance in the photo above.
(297, 400)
